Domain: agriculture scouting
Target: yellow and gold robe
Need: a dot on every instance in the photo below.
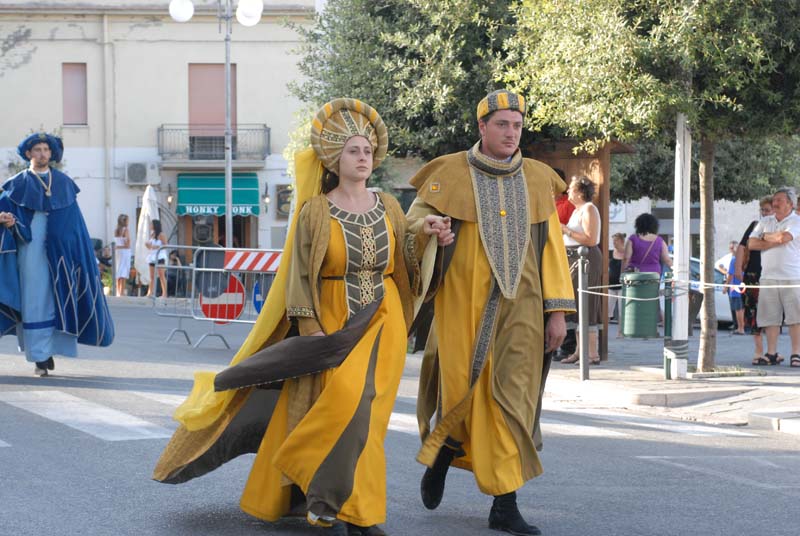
(326, 431)
(481, 378)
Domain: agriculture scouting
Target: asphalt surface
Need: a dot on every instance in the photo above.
(77, 450)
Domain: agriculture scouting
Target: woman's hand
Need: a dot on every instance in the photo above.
(7, 219)
(439, 226)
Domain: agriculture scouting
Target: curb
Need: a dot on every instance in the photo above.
(786, 421)
(618, 394)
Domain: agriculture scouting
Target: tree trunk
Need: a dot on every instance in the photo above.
(708, 321)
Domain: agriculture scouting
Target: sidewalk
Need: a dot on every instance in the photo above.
(633, 377)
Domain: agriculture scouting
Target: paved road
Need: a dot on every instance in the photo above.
(76, 451)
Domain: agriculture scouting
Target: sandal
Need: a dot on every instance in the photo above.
(594, 360)
(772, 358)
(794, 361)
(760, 361)
(574, 358)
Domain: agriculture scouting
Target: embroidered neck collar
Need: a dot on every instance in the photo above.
(490, 165)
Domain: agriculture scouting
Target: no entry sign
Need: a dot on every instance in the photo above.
(228, 305)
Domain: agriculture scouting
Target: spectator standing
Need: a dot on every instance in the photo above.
(122, 243)
(778, 239)
(157, 259)
(735, 297)
(645, 251)
(563, 207)
(723, 266)
(748, 269)
(583, 229)
(615, 258)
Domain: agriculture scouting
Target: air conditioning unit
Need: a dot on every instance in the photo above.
(142, 173)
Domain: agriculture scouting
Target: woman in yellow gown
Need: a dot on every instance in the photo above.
(321, 450)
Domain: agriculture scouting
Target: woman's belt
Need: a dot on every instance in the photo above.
(341, 278)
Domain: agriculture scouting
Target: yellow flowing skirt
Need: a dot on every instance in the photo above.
(335, 454)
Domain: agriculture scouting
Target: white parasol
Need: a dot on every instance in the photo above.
(149, 213)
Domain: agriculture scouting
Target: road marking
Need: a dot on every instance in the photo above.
(556, 427)
(96, 420)
(404, 422)
(163, 398)
(661, 424)
(671, 461)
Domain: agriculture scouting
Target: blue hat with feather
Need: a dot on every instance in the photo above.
(54, 142)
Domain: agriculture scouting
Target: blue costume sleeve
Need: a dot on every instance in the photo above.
(9, 273)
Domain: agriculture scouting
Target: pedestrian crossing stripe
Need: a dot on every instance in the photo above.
(405, 423)
(111, 425)
(663, 425)
(94, 419)
(556, 427)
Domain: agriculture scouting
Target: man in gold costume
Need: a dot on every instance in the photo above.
(499, 296)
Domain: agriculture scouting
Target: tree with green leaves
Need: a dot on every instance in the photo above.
(744, 169)
(423, 64)
(622, 69)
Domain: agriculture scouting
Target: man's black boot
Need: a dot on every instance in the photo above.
(505, 516)
(432, 485)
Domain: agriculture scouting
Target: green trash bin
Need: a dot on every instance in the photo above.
(640, 318)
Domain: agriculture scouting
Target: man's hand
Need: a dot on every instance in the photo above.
(439, 226)
(7, 219)
(555, 331)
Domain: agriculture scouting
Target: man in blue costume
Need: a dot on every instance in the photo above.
(51, 295)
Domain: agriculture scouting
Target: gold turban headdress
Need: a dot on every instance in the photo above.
(502, 99)
(340, 120)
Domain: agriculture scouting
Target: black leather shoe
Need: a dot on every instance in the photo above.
(338, 528)
(505, 516)
(372, 530)
(432, 485)
(51, 364)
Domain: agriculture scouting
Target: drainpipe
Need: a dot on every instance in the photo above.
(108, 125)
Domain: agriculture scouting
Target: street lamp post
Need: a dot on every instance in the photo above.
(248, 13)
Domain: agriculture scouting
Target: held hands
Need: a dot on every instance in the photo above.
(7, 219)
(440, 227)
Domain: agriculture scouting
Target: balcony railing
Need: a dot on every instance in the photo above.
(207, 142)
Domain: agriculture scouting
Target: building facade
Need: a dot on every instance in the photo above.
(139, 99)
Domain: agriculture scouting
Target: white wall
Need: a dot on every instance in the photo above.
(137, 78)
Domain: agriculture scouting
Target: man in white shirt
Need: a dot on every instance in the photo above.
(778, 239)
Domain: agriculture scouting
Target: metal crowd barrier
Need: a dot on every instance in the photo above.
(215, 284)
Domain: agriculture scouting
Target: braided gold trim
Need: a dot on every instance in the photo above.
(301, 311)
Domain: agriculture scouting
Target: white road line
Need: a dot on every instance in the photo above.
(556, 427)
(670, 461)
(661, 424)
(162, 398)
(96, 420)
(404, 422)
(3, 444)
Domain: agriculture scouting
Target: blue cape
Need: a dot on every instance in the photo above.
(81, 307)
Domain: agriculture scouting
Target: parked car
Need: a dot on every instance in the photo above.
(721, 305)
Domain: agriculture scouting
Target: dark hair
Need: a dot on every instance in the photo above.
(646, 223)
(585, 187)
(560, 173)
(330, 181)
(156, 227)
